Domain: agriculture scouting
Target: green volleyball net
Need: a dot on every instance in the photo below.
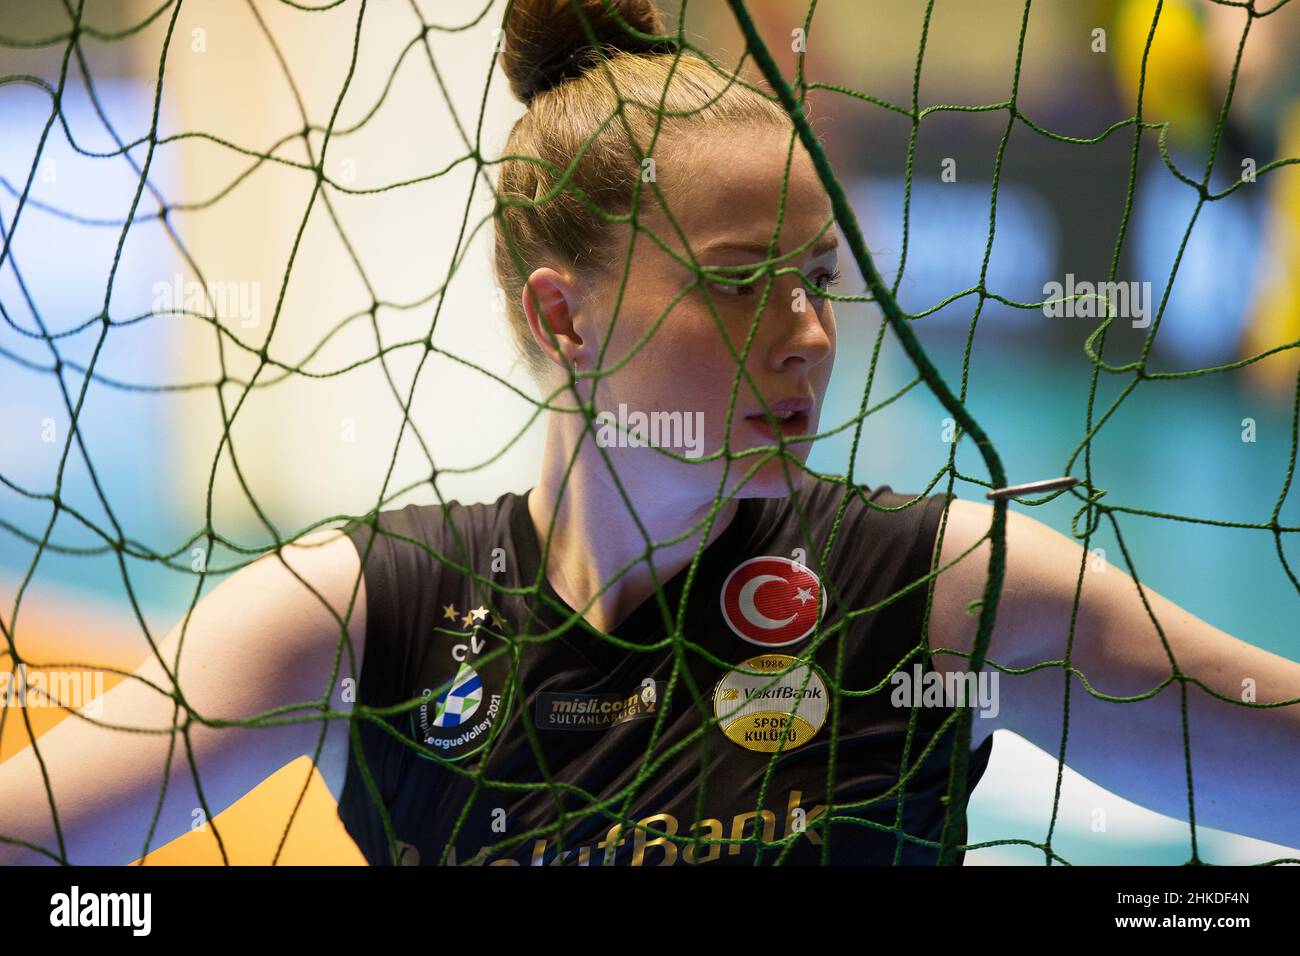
(863, 284)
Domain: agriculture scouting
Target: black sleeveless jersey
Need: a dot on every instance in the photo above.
(652, 767)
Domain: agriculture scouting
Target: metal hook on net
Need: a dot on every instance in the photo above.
(1033, 487)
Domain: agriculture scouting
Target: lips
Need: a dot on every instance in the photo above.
(792, 416)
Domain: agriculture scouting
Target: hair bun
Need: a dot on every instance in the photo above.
(546, 42)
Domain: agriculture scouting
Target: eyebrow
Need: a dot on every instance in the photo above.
(827, 243)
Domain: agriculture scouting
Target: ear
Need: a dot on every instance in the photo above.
(550, 302)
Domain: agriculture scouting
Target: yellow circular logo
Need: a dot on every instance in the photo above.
(778, 704)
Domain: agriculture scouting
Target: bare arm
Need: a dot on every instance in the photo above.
(259, 640)
(1245, 761)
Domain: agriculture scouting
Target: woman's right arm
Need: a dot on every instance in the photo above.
(259, 640)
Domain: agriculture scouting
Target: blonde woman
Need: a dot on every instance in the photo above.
(573, 702)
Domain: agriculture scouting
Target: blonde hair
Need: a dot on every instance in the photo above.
(572, 86)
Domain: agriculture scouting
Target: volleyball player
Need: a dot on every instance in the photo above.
(655, 751)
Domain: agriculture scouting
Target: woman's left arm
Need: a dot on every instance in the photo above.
(1243, 762)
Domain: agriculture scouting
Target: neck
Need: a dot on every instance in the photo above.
(595, 535)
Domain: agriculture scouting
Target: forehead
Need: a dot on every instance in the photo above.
(727, 187)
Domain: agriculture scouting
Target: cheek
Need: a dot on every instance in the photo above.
(694, 342)
(676, 368)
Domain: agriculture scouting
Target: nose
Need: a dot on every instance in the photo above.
(798, 336)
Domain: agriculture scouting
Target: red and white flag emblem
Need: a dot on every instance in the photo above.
(771, 601)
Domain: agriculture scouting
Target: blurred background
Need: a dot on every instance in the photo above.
(392, 251)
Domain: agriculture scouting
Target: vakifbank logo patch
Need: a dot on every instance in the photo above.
(761, 709)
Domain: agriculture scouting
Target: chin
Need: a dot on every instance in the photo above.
(775, 479)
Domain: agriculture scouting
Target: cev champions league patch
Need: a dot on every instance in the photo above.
(458, 712)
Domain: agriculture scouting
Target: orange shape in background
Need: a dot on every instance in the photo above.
(52, 630)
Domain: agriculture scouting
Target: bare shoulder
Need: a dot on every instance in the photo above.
(1042, 566)
(327, 564)
(291, 610)
(313, 577)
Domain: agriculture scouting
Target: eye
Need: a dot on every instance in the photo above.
(739, 288)
(827, 279)
(726, 288)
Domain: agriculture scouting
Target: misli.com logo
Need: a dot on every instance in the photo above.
(1096, 300)
(656, 429)
(75, 908)
(82, 691)
(582, 711)
(954, 689)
